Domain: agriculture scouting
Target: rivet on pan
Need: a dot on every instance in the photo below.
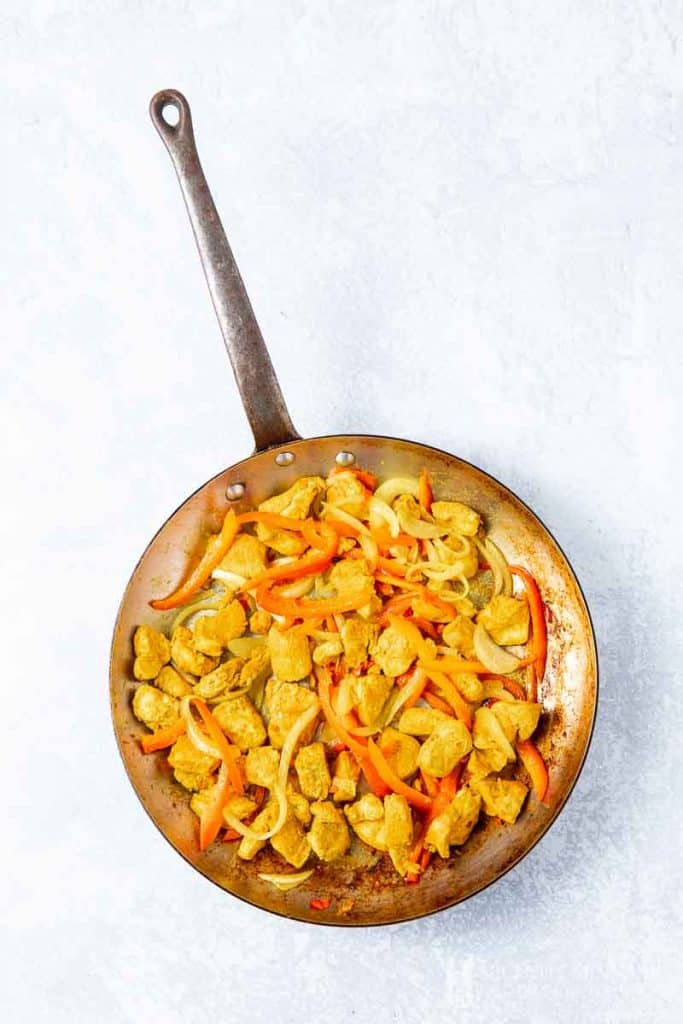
(345, 458)
(234, 492)
(284, 458)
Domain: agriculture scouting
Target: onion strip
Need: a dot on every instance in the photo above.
(286, 882)
(198, 738)
(396, 485)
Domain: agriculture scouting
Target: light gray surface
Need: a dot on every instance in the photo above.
(457, 222)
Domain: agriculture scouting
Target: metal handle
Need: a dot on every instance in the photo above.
(258, 386)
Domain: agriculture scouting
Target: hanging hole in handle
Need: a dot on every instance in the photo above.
(170, 114)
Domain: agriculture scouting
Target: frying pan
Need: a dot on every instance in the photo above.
(361, 891)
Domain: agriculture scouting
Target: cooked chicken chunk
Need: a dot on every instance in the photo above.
(241, 722)
(327, 651)
(518, 719)
(444, 747)
(261, 766)
(214, 632)
(224, 678)
(506, 619)
(260, 622)
(246, 557)
(329, 835)
(503, 798)
(488, 735)
(369, 695)
(470, 686)
(424, 609)
(186, 656)
(295, 502)
(454, 825)
(401, 751)
(255, 668)
(172, 683)
(345, 777)
(312, 771)
(156, 709)
(291, 842)
(356, 636)
(481, 763)
(299, 805)
(192, 768)
(398, 831)
(352, 577)
(193, 782)
(366, 818)
(286, 702)
(248, 848)
(240, 806)
(463, 519)
(459, 634)
(152, 651)
(421, 721)
(347, 491)
(393, 652)
(290, 655)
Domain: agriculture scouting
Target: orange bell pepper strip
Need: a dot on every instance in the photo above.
(211, 821)
(532, 682)
(374, 781)
(229, 754)
(424, 491)
(216, 549)
(447, 787)
(532, 760)
(418, 684)
(511, 685)
(163, 738)
(369, 480)
(312, 562)
(431, 784)
(391, 565)
(417, 588)
(385, 541)
(301, 608)
(436, 702)
(389, 776)
(453, 696)
(539, 632)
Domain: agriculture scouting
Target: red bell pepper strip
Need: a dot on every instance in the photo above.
(320, 904)
(453, 696)
(229, 754)
(312, 562)
(424, 491)
(536, 767)
(539, 632)
(216, 549)
(300, 608)
(163, 738)
(211, 821)
(397, 785)
(358, 749)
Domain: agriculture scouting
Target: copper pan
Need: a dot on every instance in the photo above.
(362, 893)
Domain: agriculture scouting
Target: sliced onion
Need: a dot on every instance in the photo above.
(492, 688)
(245, 646)
(381, 512)
(286, 882)
(448, 553)
(416, 527)
(195, 733)
(494, 727)
(395, 485)
(440, 573)
(343, 698)
(495, 658)
(232, 578)
(502, 580)
(298, 588)
(370, 550)
(338, 514)
(206, 604)
(395, 703)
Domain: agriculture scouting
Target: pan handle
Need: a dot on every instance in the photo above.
(258, 386)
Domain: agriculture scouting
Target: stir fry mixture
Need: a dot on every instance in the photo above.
(340, 664)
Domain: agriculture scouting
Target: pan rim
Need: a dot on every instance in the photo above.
(557, 811)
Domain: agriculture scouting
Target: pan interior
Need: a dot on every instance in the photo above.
(361, 892)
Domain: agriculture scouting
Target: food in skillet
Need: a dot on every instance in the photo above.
(339, 666)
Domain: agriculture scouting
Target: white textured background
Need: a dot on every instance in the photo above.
(458, 222)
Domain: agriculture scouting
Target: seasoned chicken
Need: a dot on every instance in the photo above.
(295, 502)
(286, 702)
(419, 721)
(503, 798)
(192, 768)
(327, 651)
(352, 577)
(248, 848)
(246, 557)
(444, 747)
(393, 652)
(261, 766)
(214, 632)
(366, 818)
(464, 606)
(463, 519)
(299, 805)
(356, 636)
(241, 722)
(260, 622)
(459, 634)
(398, 832)
(369, 695)
(518, 719)
(224, 678)
(506, 619)
(312, 771)
(241, 806)
(345, 775)
(401, 751)
(481, 763)
(185, 655)
(470, 686)
(329, 835)
(290, 655)
(172, 683)
(488, 735)
(255, 668)
(156, 709)
(152, 651)
(291, 842)
(347, 491)
(454, 825)
(424, 609)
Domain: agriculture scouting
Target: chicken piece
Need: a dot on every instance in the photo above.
(255, 668)
(345, 545)
(393, 652)
(286, 702)
(248, 848)
(241, 722)
(488, 734)
(481, 763)
(506, 619)
(421, 721)
(366, 818)
(519, 719)
(214, 632)
(372, 609)
(467, 562)
(261, 766)
(240, 807)
(329, 836)
(186, 657)
(444, 747)
(426, 610)
(260, 622)
(290, 656)
(312, 771)
(246, 557)
(356, 636)
(460, 634)
(193, 782)
(184, 757)
(398, 832)
(464, 606)
(369, 695)
(470, 686)
(156, 709)
(345, 774)
(463, 519)
(503, 798)
(292, 843)
(352, 578)
(172, 683)
(296, 503)
(298, 805)
(453, 826)
(223, 679)
(347, 492)
(327, 651)
(400, 751)
(152, 651)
